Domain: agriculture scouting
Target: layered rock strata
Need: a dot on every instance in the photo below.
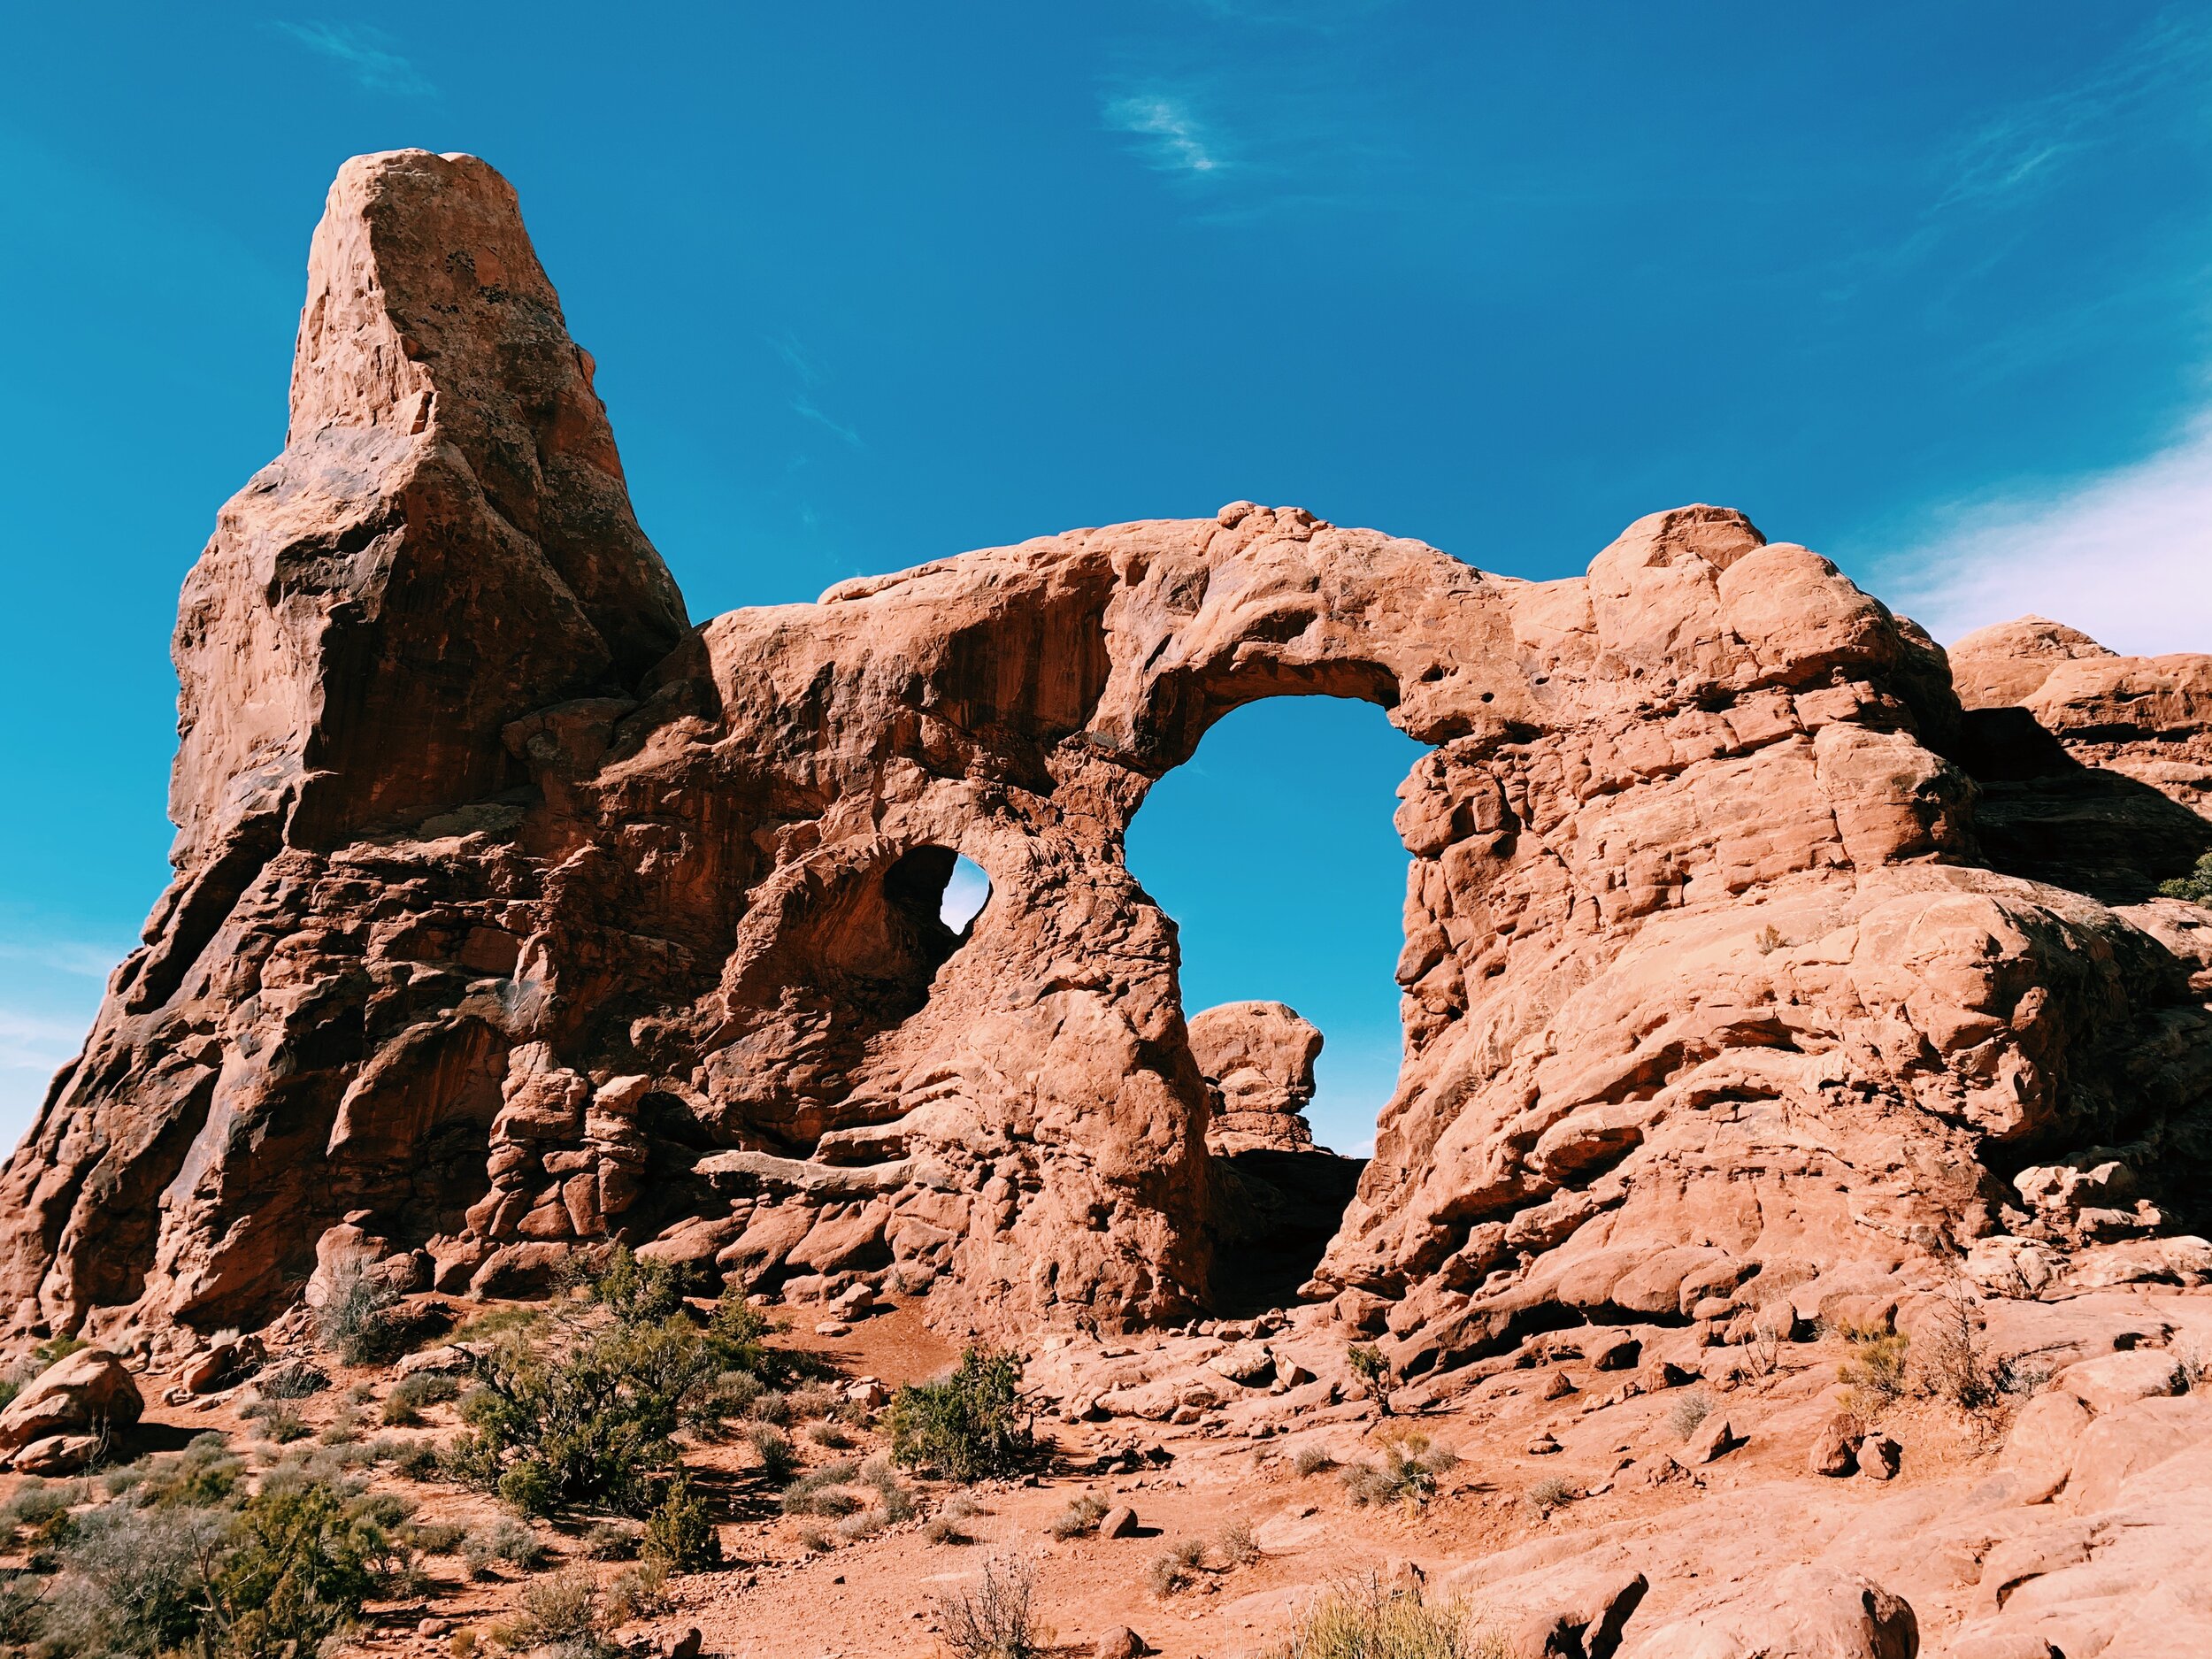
(512, 916)
(1258, 1060)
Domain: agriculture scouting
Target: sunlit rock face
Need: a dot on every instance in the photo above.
(513, 914)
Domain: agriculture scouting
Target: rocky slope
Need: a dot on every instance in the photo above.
(1749, 962)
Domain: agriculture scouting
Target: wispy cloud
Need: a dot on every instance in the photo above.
(2027, 147)
(366, 54)
(83, 959)
(1170, 136)
(34, 1042)
(804, 408)
(2126, 556)
(797, 359)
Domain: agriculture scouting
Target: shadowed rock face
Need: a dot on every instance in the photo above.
(511, 916)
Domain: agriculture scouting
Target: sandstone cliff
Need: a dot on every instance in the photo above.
(512, 914)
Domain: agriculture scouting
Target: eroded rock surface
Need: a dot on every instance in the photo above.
(512, 917)
(1258, 1060)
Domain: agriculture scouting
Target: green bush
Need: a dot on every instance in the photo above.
(2196, 887)
(1406, 1475)
(971, 1425)
(589, 1418)
(286, 1569)
(402, 1407)
(679, 1535)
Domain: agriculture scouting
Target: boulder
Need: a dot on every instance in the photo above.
(86, 1393)
(1118, 1522)
(1258, 1060)
(1801, 1613)
(1120, 1642)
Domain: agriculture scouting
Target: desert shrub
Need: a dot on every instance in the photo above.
(822, 1490)
(679, 1535)
(968, 1426)
(561, 1612)
(818, 1538)
(206, 1474)
(1369, 1364)
(434, 1538)
(1688, 1412)
(364, 1320)
(642, 1292)
(779, 1458)
(1549, 1494)
(1173, 1568)
(733, 1396)
(302, 1560)
(895, 1501)
(343, 1429)
(278, 1423)
(830, 1436)
(496, 1322)
(814, 1399)
(1237, 1546)
(1082, 1516)
(505, 1540)
(944, 1529)
(417, 1459)
(1875, 1373)
(1362, 1620)
(591, 1419)
(1406, 1475)
(294, 1381)
(995, 1618)
(402, 1407)
(134, 1581)
(639, 1593)
(1313, 1460)
(859, 1524)
(2196, 887)
(606, 1541)
(770, 1406)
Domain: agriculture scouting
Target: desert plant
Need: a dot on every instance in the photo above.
(1875, 1373)
(859, 1524)
(1313, 1460)
(995, 1618)
(679, 1535)
(505, 1540)
(968, 1426)
(1406, 1475)
(1549, 1495)
(134, 1581)
(606, 1541)
(402, 1407)
(818, 1538)
(280, 1423)
(591, 1419)
(1172, 1570)
(300, 1561)
(2196, 887)
(779, 1458)
(1688, 1412)
(1369, 1364)
(895, 1501)
(1237, 1546)
(638, 1593)
(498, 1322)
(1082, 1516)
(822, 1490)
(364, 1320)
(561, 1611)
(945, 1529)
(434, 1538)
(417, 1459)
(642, 1292)
(1363, 1620)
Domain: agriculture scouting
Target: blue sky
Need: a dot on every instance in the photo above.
(1922, 286)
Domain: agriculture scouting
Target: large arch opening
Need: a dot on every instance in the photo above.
(1273, 851)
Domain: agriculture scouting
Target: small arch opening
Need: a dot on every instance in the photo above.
(967, 890)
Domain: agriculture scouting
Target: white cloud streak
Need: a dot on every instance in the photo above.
(1172, 140)
(365, 53)
(2126, 556)
(804, 408)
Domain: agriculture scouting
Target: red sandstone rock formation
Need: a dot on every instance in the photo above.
(1258, 1060)
(510, 917)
